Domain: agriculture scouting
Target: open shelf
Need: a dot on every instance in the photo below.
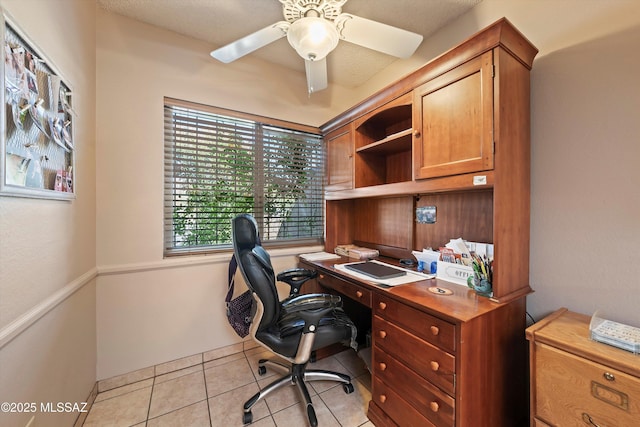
(394, 143)
(383, 143)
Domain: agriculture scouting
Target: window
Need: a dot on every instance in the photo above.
(220, 163)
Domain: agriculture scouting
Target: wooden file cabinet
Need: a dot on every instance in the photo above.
(579, 382)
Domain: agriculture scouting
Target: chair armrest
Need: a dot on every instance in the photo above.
(295, 278)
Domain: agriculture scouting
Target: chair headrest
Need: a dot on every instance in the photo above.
(245, 231)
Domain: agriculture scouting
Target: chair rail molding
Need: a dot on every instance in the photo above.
(30, 317)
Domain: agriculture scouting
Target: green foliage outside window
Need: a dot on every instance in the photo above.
(218, 171)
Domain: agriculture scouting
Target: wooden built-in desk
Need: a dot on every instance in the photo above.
(438, 360)
(453, 137)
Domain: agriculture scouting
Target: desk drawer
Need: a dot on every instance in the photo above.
(353, 291)
(433, 364)
(430, 401)
(429, 328)
(570, 390)
(397, 408)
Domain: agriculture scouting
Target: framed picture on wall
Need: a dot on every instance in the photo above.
(37, 144)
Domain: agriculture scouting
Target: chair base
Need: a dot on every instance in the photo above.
(298, 375)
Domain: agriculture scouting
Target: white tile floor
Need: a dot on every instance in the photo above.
(189, 393)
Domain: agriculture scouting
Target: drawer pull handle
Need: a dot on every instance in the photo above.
(416, 133)
(322, 276)
(359, 294)
(382, 334)
(382, 398)
(434, 365)
(609, 377)
(587, 419)
(434, 406)
(382, 305)
(434, 330)
(382, 366)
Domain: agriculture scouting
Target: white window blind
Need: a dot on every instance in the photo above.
(219, 164)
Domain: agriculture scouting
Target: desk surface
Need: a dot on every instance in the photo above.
(461, 306)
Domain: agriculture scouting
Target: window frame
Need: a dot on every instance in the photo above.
(169, 179)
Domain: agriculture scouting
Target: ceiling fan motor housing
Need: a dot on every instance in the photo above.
(294, 10)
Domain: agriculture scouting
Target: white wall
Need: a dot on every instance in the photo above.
(145, 299)
(47, 248)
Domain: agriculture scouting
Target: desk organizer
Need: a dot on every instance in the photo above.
(456, 273)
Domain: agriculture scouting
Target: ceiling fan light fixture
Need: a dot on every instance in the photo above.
(313, 37)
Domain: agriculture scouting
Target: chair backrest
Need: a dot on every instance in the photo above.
(255, 264)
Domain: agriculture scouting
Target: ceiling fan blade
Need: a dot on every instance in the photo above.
(377, 36)
(248, 44)
(316, 75)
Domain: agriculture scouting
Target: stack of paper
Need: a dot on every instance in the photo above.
(319, 256)
(358, 252)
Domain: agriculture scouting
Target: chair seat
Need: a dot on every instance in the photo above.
(284, 337)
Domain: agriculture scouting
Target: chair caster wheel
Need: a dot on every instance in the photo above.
(247, 417)
(348, 388)
(262, 370)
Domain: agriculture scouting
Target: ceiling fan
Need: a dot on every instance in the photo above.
(313, 28)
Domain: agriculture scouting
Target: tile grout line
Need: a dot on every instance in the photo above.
(153, 386)
(206, 394)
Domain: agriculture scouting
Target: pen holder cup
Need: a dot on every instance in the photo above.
(479, 284)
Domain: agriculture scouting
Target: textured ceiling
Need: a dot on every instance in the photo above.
(219, 22)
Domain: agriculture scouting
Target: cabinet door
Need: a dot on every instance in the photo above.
(340, 159)
(453, 119)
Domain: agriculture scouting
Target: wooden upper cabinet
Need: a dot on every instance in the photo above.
(339, 167)
(453, 121)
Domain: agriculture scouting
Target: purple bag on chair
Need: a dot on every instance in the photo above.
(239, 309)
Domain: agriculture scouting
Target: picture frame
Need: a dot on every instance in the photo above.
(37, 140)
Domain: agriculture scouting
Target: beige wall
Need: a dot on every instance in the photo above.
(47, 248)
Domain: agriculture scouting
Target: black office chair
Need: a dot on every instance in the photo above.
(292, 328)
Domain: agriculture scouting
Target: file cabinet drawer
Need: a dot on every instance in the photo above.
(431, 402)
(571, 390)
(427, 360)
(425, 326)
(397, 408)
(353, 291)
